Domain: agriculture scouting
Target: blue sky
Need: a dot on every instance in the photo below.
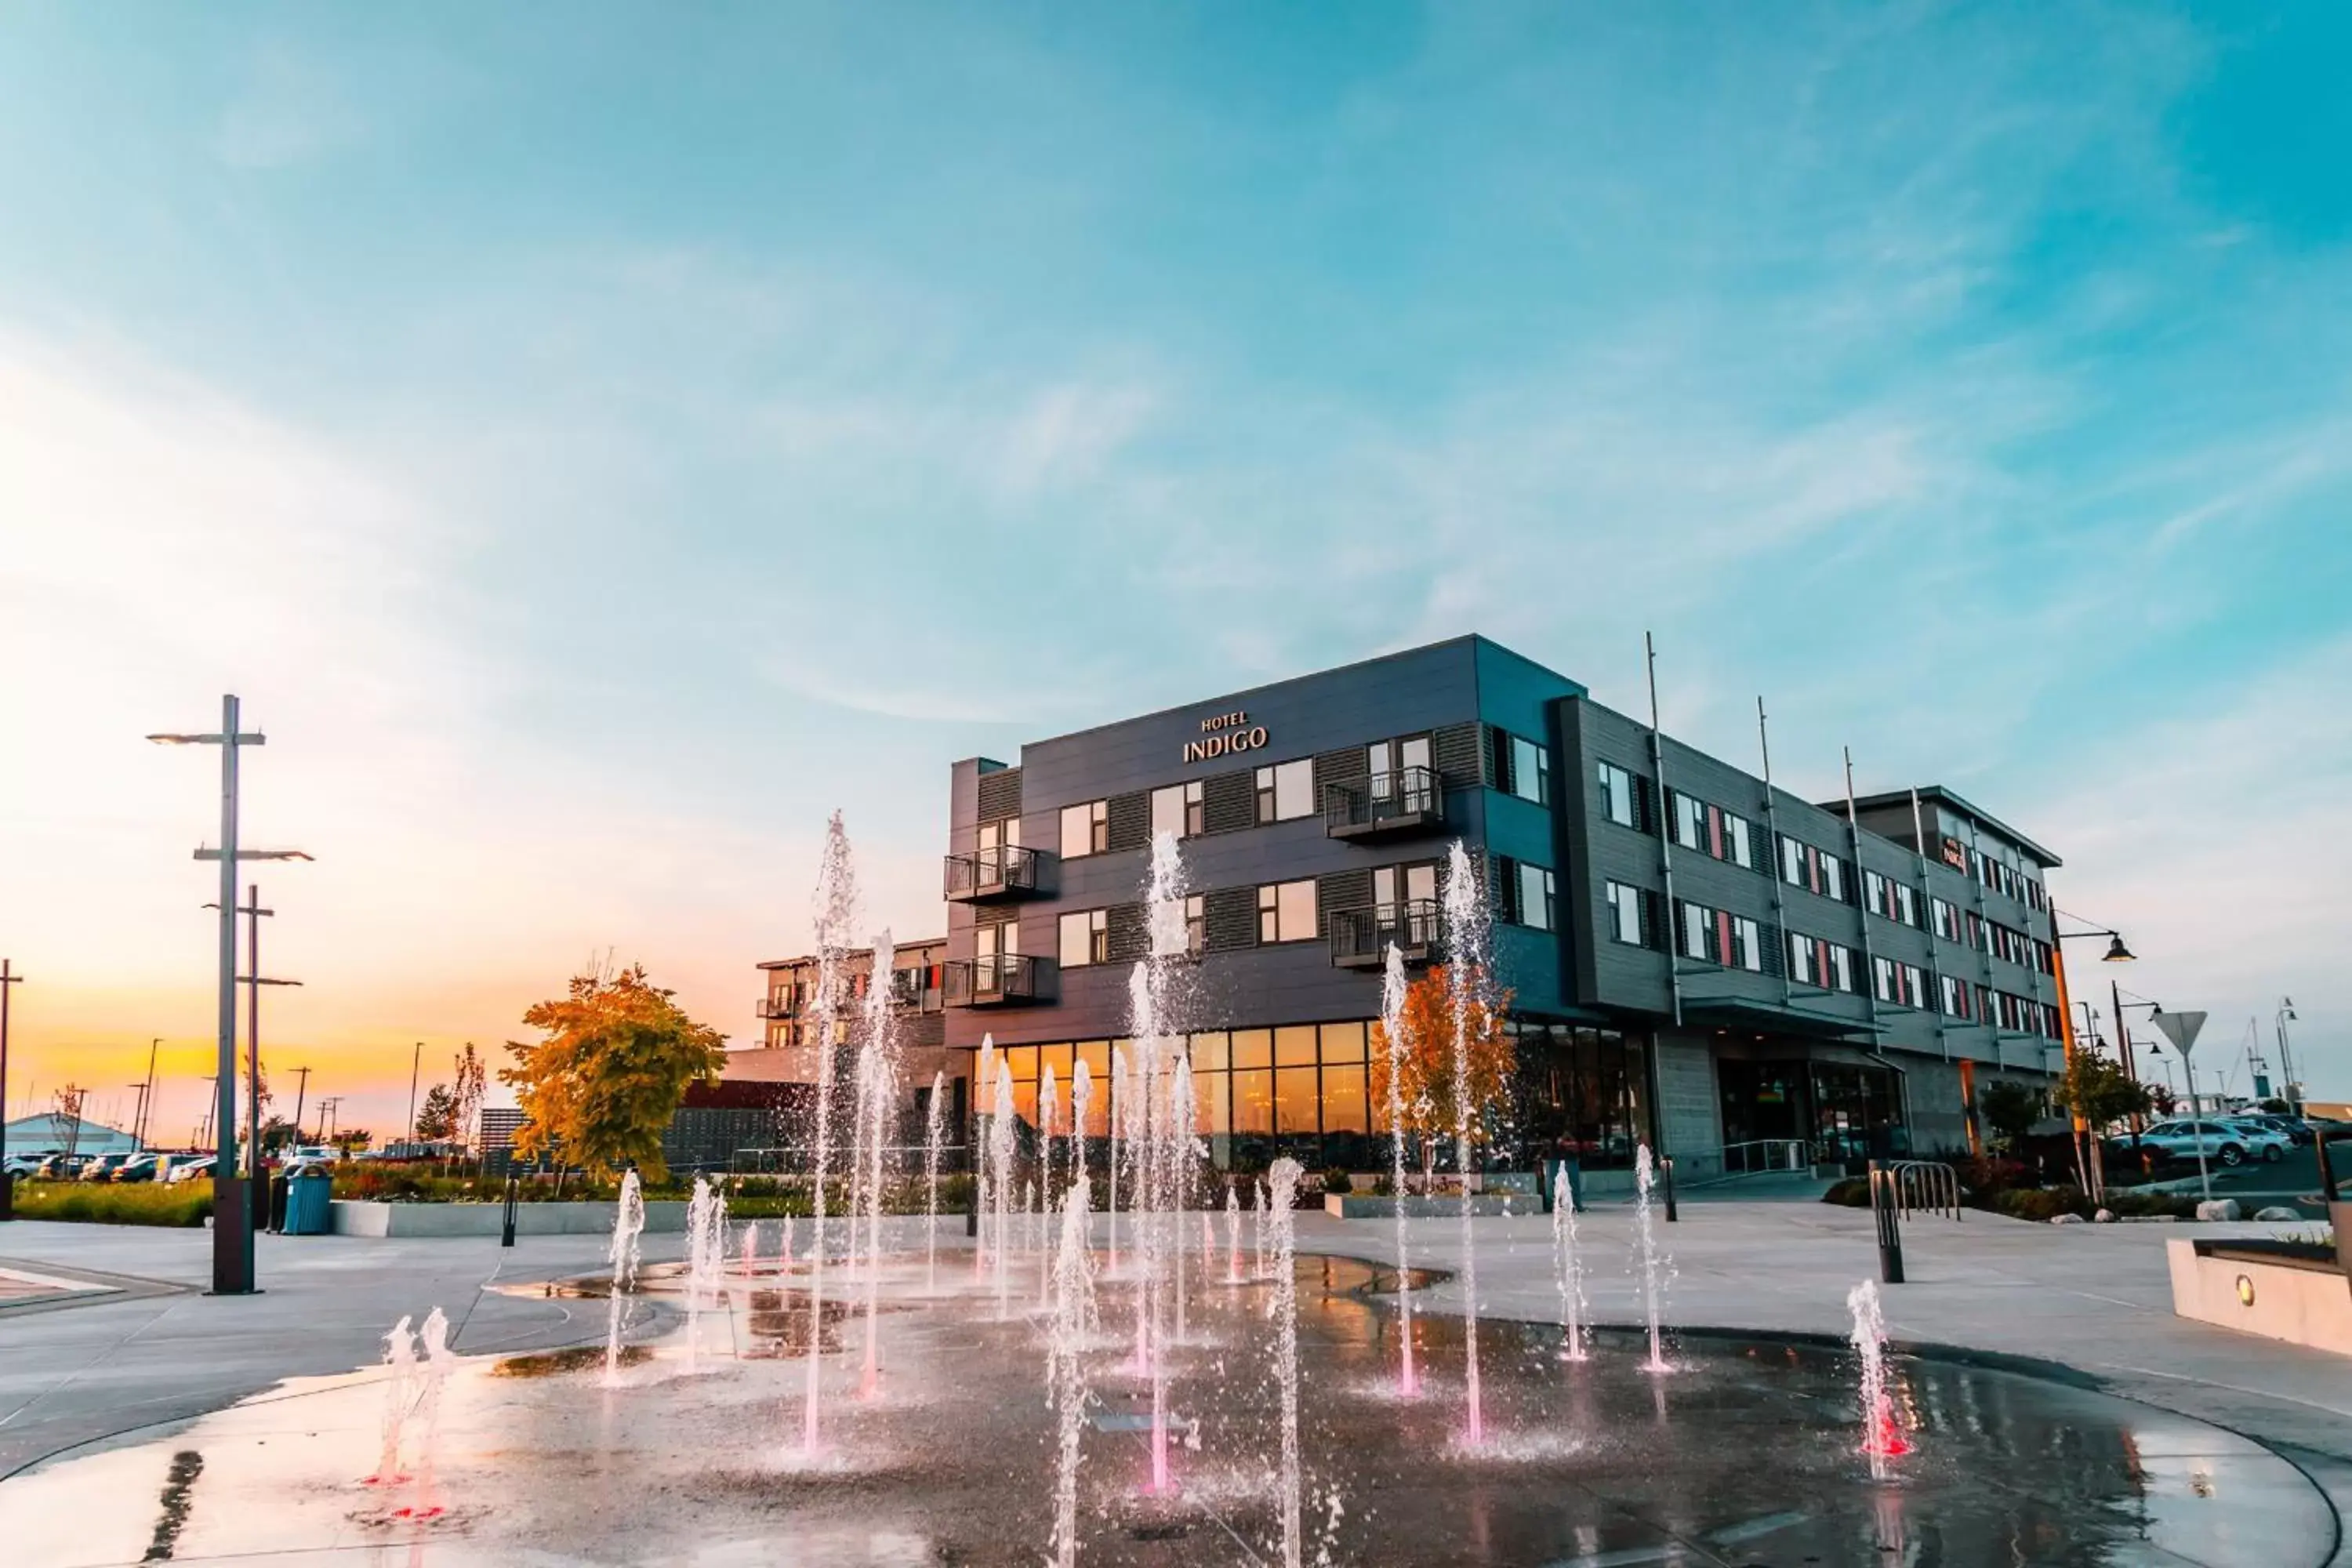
(598, 440)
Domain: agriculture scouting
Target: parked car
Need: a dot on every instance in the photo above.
(190, 1170)
(101, 1167)
(2294, 1128)
(2224, 1142)
(138, 1168)
(22, 1165)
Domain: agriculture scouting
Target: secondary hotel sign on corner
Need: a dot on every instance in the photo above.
(1223, 734)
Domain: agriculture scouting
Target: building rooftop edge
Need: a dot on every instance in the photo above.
(1955, 799)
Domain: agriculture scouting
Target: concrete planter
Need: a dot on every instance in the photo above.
(2302, 1303)
(1347, 1205)
(399, 1220)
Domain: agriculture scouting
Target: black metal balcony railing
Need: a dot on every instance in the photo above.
(916, 989)
(1360, 938)
(1004, 871)
(1408, 801)
(998, 979)
(778, 1007)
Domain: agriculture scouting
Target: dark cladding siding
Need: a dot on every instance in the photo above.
(1229, 801)
(1130, 822)
(1000, 794)
(1231, 918)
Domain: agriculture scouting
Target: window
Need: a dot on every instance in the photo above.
(1535, 897)
(1954, 997)
(1392, 884)
(1196, 924)
(1803, 955)
(1747, 944)
(1947, 920)
(1696, 930)
(1086, 828)
(1739, 840)
(1285, 789)
(1617, 795)
(1286, 911)
(1841, 968)
(1900, 984)
(1625, 913)
(1792, 864)
(1085, 938)
(1176, 809)
(1690, 822)
(1529, 775)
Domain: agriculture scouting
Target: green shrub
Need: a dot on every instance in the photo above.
(1337, 1179)
(104, 1203)
(1854, 1192)
(2042, 1202)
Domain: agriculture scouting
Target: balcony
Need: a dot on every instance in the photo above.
(1360, 938)
(777, 1007)
(1386, 805)
(917, 990)
(998, 979)
(985, 875)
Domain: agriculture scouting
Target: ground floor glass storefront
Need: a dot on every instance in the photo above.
(1583, 1094)
(1305, 1091)
(1302, 1089)
(1848, 1112)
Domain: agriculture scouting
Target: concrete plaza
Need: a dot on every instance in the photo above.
(2094, 1299)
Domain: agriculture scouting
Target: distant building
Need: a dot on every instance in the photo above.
(787, 1055)
(50, 1133)
(500, 1124)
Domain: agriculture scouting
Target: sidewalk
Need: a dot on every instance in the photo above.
(155, 1348)
(2094, 1297)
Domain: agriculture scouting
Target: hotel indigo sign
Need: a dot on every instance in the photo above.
(1223, 734)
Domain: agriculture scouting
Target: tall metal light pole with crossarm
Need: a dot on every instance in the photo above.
(8, 978)
(232, 1214)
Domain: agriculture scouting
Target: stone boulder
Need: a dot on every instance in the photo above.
(2278, 1212)
(2065, 1219)
(2220, 1209)
(2104, 1216)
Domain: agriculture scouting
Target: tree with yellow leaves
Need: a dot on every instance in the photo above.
(598, 1090)
(1425, 1065)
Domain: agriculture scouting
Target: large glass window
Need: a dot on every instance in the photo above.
(1086, 828)
(1624, 914)
(1294, 1046)
(1253, 1047)
(1535, 897)
(1286, 911)
(1177, 810)
(1297, 1101)
(1690, 822)
(1254, 1102)
(1085, 938)
(1285, 789)
(1530, 771)
(1617, 795)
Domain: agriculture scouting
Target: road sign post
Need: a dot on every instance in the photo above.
(2181, 1029)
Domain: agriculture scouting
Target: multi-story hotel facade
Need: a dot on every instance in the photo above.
(1728, 972)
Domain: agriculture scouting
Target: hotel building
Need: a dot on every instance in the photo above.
(1737, 976)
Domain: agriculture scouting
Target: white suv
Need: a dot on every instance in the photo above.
(2225, 1142)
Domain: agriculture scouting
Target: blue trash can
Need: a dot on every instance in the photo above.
(310, 1202)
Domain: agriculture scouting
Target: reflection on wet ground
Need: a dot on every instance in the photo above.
(1743, 1455)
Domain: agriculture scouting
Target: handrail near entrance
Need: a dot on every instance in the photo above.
(1754, 1156)
(1928, 1186)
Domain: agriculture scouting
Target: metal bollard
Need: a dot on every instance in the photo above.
(1883, 1207)
(1672, 1214)
(507, 1233)
(972, 1209)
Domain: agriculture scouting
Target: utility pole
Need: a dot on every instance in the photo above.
(233, 1240)
(327, 1104)
(2280, 1020)
(8, 977)
(303, 1087)
(258, 1189)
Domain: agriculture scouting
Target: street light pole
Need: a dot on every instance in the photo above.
(415, 1062)
(8, 977)
(2279, 1021)
(147, 1090)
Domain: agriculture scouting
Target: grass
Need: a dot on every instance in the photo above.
(100, 1202)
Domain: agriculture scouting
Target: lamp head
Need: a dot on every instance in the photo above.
(2116, 951)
